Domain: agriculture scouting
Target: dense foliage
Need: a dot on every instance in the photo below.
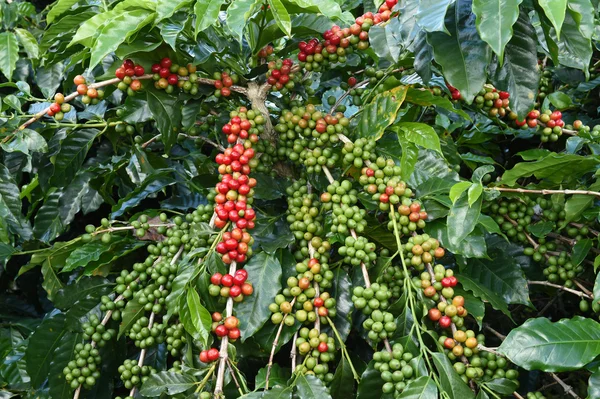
(299, 198)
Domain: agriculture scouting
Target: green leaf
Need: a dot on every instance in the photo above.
(380, 113)
(166, 110)
(520, 73)
(265, 273)
(278, 376)
(166, 8)
(566, 345)
(200, 317)
(64, 353)
(503, 385)
(133, 311)
(11, 206)
(458, 189)
(73, 151)
(9, 53)
(47, 224)
(59, 8)
(556, 168)
(431, 15)
(575, 45)
(474, 193)
(555, 11)
(420, 388)
(51, 281)
(484, 293)
(421, 134)
(577, 204)
(426, 98)
(385, 40)
(462, 218)
(597, 285)
(89, 29)
(278, 392)
(310, 387)
(451, 382)
(541, 229)
(580, 250)
(117, 30)
(281, 15)
(500, 274)
(49, 77)
(342, 386)
(151, 185)
(463, 56)
(410, 154)
(594, 385)
(370, 384)
(207, 13)
(169, 381)
(495, 20)
(560, 100)
(81, 297)
(28, 42)
(342, 292)
(238, 13)
(83, 255)
(42, 344)
(329, 8)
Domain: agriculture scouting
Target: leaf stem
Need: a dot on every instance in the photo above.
(561, 287)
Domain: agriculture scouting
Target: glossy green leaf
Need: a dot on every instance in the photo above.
(132, 311)
(28, 42)
(370, 384)
(565, 345)
(10, 205)
(265, 273)
(431, 15)
(426, 98)
(90, 28)
(580, 250)
(281, 15)
(463, 56)
(594, 385)
(73, 151)
(237, 15)
(495, 20)
(200, 317)
(577, 204)
(462, 218)
(47, 224)
(420, 134)
(555, 168)
(42, 344)
(9, 53)
(474, 193)
(64, 353)
(385, 40)
(342, 386)
(166, 110)
(451, 382)
(380, 113)
(520, 74)
(457, 189)
(166, 8)
(278, 376)
(207, 13)
(49, 78)
(410, 153)
(420, 388)
(482, 292)
(167, 381)
(83, 255)
(116, 30)
(310, 387)
(151, 185)
(555, 11)
(59, 8)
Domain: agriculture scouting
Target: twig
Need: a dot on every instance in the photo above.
(274, 347)
(516, 395)
(568, 389)
(490, 350)
(237, 384)
(561, 287)
(550, 303)
(546, 192)
(577, 283)
(571, 241)
(496, 333)
(152, 140)
(293, 351)
(580, 225)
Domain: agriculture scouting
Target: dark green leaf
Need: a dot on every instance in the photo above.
(503, 385)
(265, 273)
(133, 311)
(9, 53)
(426, 98)
(42, 344)
(370, 384)
(73, 151)
(483, 293)
(136, 110)
(420, 388)
(541, 229)
(64, 353)
(278, 376)
(556, 168)
(166, 8)
(451, 382)
(594, 385)
(10, 205)
(463, 56)
(200, 317)
(462, 218)
(166, 110)
(167, 381)
(207, 13)
(495, 20)
(310, 387)
(342, 386)
(581, 250)
(151, 185)
(420, 134)
(566, 345)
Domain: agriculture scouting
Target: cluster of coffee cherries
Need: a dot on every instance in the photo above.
(175, 339)
(535, 395)
(134, 375)
(454, 92)
(494, 102)
(450, 309)
(227, 285)
(373, 302)
(94, 330)
(319, 349)
(280, 75)
(303, 214)
(223, 81)
(265, 52)
(422, 249)
(462, 342)
(346, 217)
(128, 73)
(167, 75)
(226, 327)
(237, 244)
(85, 368)
(59, 107)
(395, 368)
(484, 366)
(146, 335)
(393, 276)
(357, 250)
(358, 152)
(545, 86)
(244, 124)
(209, 355)
(552, 125)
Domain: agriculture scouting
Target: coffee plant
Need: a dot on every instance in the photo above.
(299, 199)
